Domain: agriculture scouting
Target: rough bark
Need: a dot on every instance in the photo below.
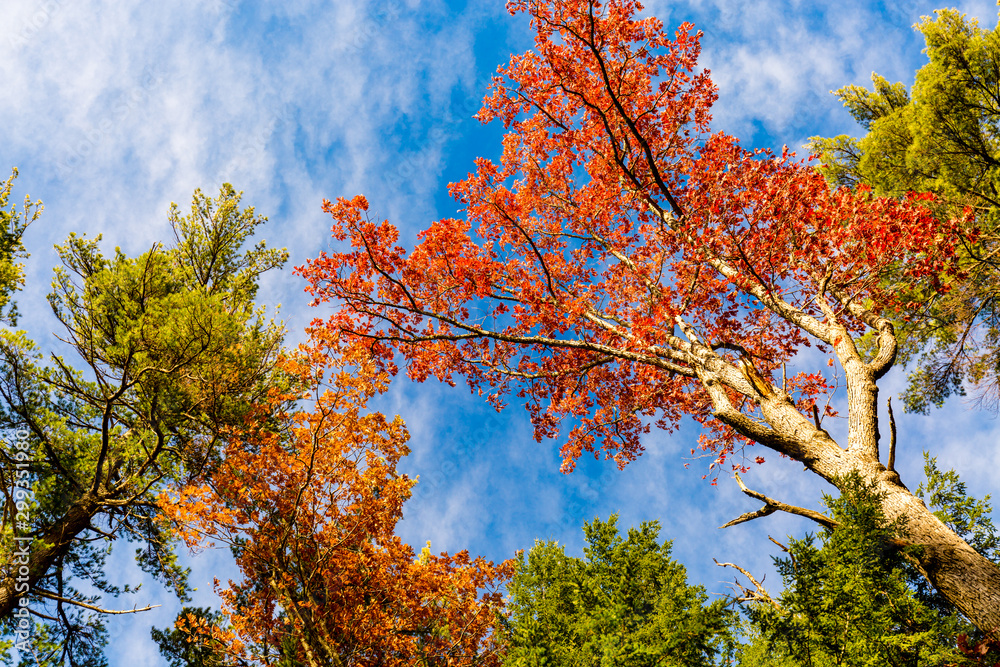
(963, 576)
(956, 570)
(46, 550)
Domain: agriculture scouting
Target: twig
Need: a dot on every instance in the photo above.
(760, 595)
(781, 546)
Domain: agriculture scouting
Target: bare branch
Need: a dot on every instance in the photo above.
(688, 330)
(771, 506)
(77, 603)
(887, 349)
(891, 465)
(779, 544)
(760, 595)
(788, 551)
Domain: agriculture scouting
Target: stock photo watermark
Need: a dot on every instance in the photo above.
(23, 501)
(34, 24)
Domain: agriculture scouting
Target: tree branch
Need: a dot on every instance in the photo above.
(77, 603)
(771, 506)
(760, 595)
(891, 465)
(775, 304)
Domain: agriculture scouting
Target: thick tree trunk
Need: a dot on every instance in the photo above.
(964, 577)
(43, 553)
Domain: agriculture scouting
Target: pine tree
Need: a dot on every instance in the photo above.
(627, 602)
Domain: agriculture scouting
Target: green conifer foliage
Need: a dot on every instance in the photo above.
(163, 351)
(942, 137)
(851, 597)
(627, 602)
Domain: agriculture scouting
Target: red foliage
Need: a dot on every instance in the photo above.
(613, 218)
(984, 652)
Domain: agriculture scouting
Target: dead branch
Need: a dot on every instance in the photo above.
(891, 466)
(791, 556)
(77, 603)
(771, 506)
(747, 595)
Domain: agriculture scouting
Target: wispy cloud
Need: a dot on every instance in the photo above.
(776, 61)
(114, 109)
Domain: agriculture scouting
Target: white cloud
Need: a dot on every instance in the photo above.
(114, 109)
(775, 61)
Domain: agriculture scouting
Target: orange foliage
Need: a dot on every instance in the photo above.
(308, 502)
(618, 244)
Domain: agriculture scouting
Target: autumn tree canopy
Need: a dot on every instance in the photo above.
(621, 266)
(308, 502)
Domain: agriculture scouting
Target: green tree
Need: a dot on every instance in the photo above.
(627, 602)
(13, 223)
(942, 137)
(967, 516)
(971, 518)
(169, 348)
(851, 595)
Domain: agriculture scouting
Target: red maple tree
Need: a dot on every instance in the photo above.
(622, 267)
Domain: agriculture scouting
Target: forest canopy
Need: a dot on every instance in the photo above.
(620, 271)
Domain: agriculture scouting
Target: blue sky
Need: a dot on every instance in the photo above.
(112, 110)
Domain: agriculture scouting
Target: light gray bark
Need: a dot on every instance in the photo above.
(967, 579)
